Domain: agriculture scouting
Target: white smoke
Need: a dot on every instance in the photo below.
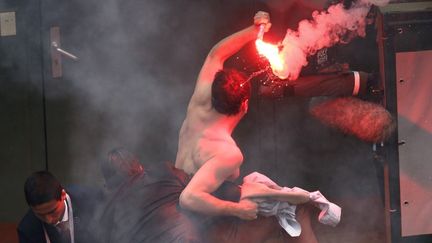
(326, 29)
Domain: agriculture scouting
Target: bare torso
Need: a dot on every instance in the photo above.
(204, 134)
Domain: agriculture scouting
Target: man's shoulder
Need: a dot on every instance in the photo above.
(28, 219)
(30, 225)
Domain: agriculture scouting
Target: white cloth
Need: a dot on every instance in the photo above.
(285, 213)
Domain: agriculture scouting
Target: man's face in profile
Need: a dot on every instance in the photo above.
(52, 211)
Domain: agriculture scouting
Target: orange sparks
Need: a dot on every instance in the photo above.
(271, 52)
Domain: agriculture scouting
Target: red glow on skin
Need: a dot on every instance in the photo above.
(50, 212)
(271, 52)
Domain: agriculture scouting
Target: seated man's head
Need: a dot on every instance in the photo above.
(45, 196)
(120, 166)
(230, 92)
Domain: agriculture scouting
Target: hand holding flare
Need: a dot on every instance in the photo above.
(269, 51)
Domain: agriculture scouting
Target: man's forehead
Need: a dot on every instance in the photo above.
(46, 208)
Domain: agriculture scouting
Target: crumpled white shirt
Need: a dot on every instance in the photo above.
(285, 213)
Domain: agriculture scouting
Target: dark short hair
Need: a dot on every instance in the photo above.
(119, 166)
(41, 187)
(229, 89)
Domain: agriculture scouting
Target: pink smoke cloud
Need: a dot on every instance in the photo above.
(325, 29)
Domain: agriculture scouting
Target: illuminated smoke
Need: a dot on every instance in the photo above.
(327, 28)
(365, 120)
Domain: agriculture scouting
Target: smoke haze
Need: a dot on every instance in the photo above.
(137, 70)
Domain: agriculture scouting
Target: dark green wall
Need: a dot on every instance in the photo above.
(21, 115)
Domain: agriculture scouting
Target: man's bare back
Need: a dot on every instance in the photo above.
(203, 136)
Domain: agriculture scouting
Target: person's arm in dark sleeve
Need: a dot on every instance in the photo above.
(332, 84)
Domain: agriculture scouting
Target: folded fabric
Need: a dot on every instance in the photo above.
(285, 212)
(330, 213)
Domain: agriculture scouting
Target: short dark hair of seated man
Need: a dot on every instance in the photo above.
(230, 89)
(120, 166)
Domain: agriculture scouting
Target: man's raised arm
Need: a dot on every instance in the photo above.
(230, 45)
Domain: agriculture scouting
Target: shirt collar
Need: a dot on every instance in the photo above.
(65, 217)
(66, 212)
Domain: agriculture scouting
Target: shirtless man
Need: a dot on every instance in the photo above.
(206, 148)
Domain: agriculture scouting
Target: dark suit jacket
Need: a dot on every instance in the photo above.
(83, 200)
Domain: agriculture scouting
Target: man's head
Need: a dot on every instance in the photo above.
(230, 92)
(120, 166)
(45, 196)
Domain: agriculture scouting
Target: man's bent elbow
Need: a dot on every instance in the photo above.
(186, 200)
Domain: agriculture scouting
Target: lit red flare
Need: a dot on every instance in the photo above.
(271, 52)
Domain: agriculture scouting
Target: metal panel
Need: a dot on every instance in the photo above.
(415, 134)
(404, 34)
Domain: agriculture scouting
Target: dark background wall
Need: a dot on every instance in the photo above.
(21, 110)
(138, 61)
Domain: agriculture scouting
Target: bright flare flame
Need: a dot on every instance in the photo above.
(271, 52)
